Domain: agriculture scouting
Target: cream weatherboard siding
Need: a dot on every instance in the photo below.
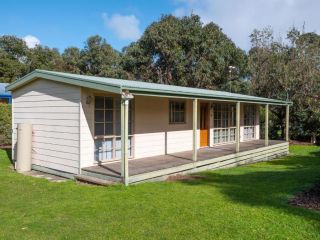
(61, 109)
(53, 110)
(63, 125)
(87, 128)
(154, 135)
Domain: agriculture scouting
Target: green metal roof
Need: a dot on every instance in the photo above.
(137, 87)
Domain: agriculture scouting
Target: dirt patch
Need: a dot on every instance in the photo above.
(5, 146)
(296, 142)
(181, 177)
(49, 177)
(308, 199)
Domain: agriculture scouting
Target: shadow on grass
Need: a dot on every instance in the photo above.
(268, 185)
(316, 153)
(9, 154)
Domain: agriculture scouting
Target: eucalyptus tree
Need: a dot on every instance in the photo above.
(289, 70)
(99, 58)
(71, 58)
(14, 57)
(43, 57)
(185, 52)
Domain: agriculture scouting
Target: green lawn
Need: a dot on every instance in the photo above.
(248, 202)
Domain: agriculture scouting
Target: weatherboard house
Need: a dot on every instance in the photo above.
(132, 131)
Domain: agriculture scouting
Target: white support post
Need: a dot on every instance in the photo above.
(238, 127)
(287, 123)
(124, 141)
(195, 126)
(122, 138)
(266, 128)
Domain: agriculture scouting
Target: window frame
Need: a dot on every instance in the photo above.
(114, 136)
(104, 122)
(224, 123)
(249, 122)
(184, 111)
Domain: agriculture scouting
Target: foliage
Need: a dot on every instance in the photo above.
(5, 124)
(71, 57)
(14, 56)
(249, 202)
(46, 58)
(96, 58)
(183, 51)
(290, 71)
(186, 52)
(99, 58)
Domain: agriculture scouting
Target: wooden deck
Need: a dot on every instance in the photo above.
(139, 167)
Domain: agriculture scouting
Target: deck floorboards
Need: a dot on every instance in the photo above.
(155, 163)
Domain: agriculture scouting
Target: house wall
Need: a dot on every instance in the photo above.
(86, 128)
(153, 133)
(87, 141)
(63, 125)
(53, 110)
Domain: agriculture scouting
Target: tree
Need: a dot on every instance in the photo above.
(100, 59)
(14, 56)
(306, 68)
(45, 58)
(72, 60)
(96, 58)
(183, 51)
(289, 71)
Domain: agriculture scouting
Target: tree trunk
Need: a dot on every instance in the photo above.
(313, 138)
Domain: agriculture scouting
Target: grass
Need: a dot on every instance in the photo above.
(248, 202)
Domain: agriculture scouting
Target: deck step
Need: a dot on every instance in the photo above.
(93, 180)
(96, 174)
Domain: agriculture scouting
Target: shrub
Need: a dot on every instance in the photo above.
(5, 124)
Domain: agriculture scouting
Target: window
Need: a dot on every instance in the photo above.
(177, 112)
(249, 122)
(224, 123)
(249, 115)
(103, 115)
(107, 128)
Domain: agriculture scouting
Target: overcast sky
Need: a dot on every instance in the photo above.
(62, 23)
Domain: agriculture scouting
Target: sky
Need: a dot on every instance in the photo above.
(62, 24)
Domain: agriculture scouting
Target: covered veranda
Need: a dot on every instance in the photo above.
(159, 167)
(198, 159)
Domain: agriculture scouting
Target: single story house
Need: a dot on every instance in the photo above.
(132, 131)
(5, 97)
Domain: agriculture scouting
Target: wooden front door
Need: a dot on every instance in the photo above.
(204, 124)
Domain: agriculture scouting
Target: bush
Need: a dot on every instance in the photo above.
(5, 124)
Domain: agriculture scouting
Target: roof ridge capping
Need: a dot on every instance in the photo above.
(118, 85)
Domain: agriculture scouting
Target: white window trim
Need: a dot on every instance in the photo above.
(252, 118)
(230, 128)
(113, 136)
(172, 112)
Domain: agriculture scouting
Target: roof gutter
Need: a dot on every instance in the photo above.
(69, 80)
(168, 94)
